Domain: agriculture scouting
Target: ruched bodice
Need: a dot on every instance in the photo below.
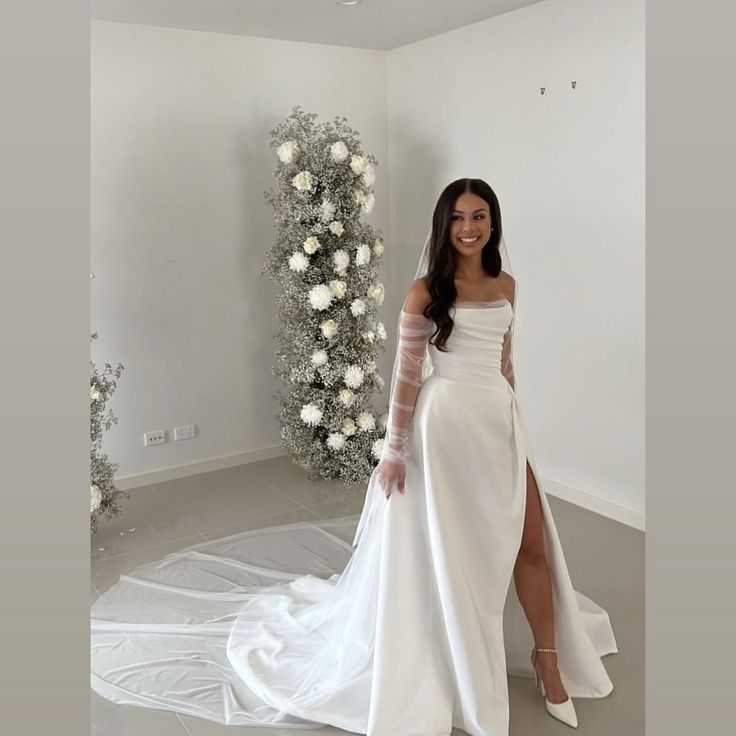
(475, 344)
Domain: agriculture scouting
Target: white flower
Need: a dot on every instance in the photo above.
(377, 448)
(369, 335)
(360, 196)
(357, 307)
(378, 248)
(337, 228)
(320, 297)
(363, 256)
(287, 151)
(303, 181)
(298, 262)
(370, 367)
(341, 259)
(329, 328)
(369, 204)
(94, 394)
(319, 357)
(347, 397)
(383, 420)
(311, 244)
(348, 427)
(338, 151)
(379, 380)
(353, 376)
(339, 288)
(336, 441)
(326, 210)
(95, 498)
(311, 415)
(369, 176)
(376, 292)
(359, 164)
(366, 421)
(381, 330)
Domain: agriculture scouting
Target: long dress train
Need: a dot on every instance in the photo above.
(402, 621)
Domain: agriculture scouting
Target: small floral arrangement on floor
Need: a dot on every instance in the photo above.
(105, 499)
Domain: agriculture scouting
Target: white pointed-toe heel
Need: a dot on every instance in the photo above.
(564, 711)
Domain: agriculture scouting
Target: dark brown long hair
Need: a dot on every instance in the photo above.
(443, 257)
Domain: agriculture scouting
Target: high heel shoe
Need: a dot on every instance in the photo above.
(564, 711)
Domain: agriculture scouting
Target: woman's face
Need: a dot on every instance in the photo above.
(470, 224)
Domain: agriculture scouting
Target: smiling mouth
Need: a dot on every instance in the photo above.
(468, 241)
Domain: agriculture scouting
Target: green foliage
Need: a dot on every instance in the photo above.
(106, 499)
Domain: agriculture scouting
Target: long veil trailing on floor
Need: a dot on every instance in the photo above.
(288, 626)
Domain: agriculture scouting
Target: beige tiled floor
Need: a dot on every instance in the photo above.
(605, 558)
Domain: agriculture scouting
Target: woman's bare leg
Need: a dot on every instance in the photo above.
(534, 589)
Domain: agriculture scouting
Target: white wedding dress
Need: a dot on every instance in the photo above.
(404, 625)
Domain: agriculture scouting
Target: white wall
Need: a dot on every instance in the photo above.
(180, 160)
(568, 168)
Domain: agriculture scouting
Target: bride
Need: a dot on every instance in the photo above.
(408, 624)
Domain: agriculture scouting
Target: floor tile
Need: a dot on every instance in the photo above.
(285, 517)
(337, 507)
(154, 521)
(281, 473)
(105, 572)
(97, 703)
(232, 496)
(128, 720)
(203, 727)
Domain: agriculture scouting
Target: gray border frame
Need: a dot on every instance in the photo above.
(44, 364)
(691, 505)
(44, 308)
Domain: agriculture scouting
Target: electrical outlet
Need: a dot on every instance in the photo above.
(154, 438)
(185, 432)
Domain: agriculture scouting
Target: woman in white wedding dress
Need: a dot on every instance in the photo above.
(412, 629)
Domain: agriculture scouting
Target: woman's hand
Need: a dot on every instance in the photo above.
(391, 475)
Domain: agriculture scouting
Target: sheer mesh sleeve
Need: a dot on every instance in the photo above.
(414, 332)
(507, 354)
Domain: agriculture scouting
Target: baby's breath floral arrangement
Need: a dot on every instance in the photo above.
(105, 499)
(326, 262)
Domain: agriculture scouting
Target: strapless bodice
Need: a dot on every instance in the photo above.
(475, 344)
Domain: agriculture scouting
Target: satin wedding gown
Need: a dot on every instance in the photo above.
(404, 625)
